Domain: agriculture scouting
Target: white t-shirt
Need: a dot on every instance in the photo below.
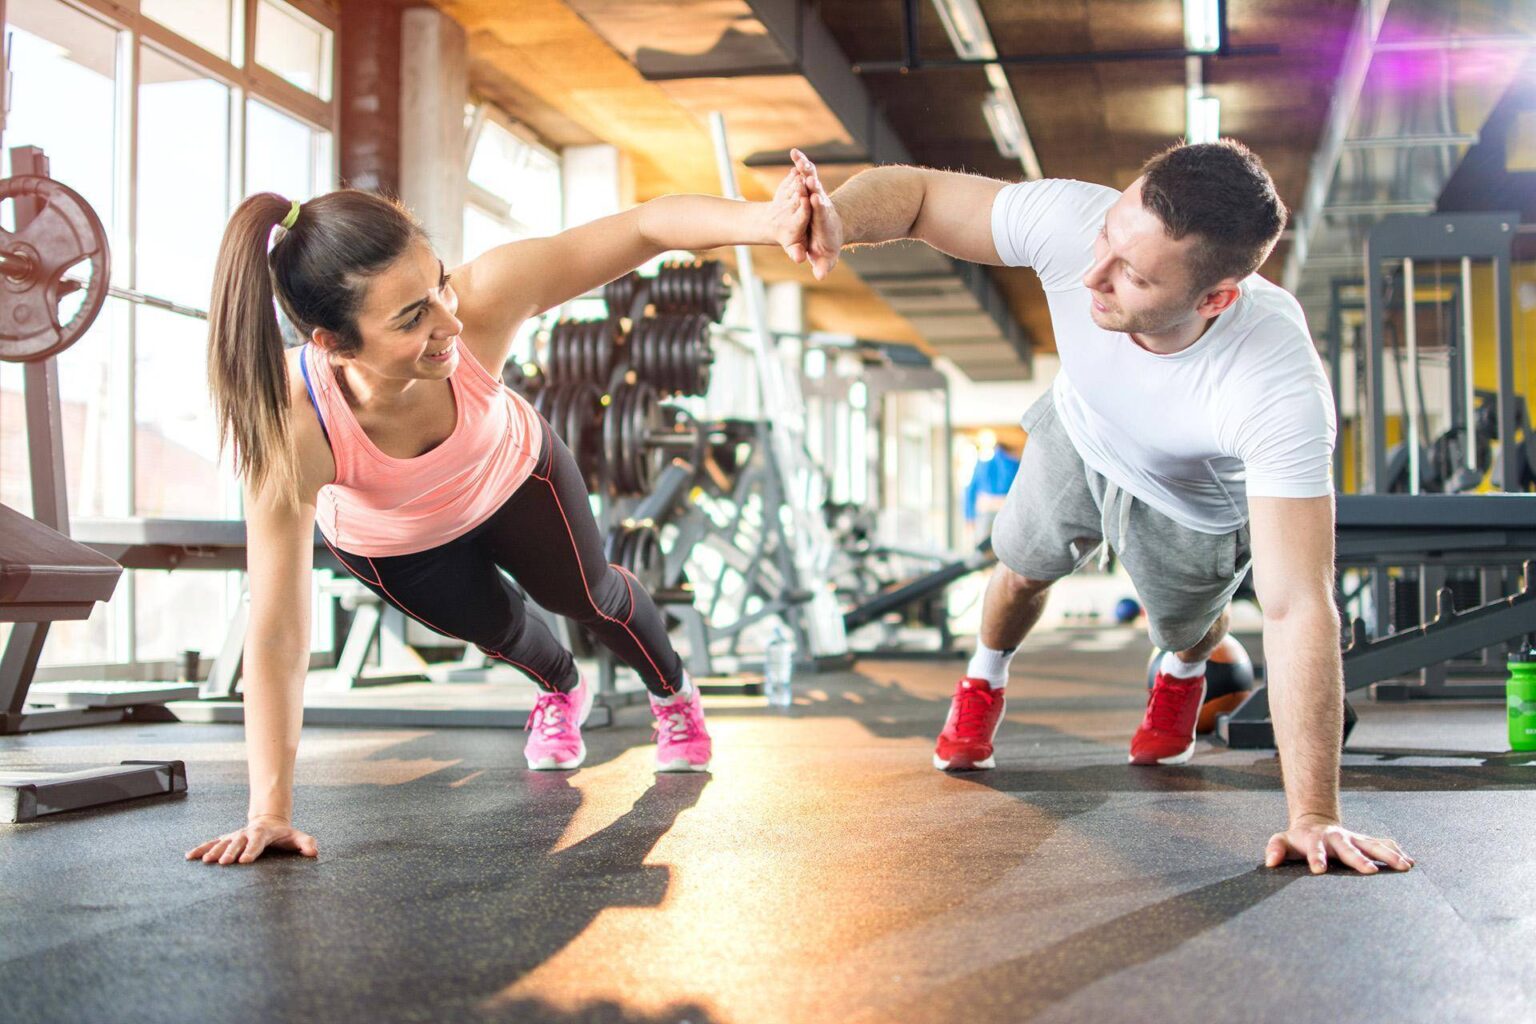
(1246, 410)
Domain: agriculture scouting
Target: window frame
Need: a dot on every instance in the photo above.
(247, 76)
(305, 11)
(483, 199)
(246, 81)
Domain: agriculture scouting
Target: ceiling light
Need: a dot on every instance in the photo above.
(1003, 118)
(1202, 25)
(1203, 118)
(967, 28)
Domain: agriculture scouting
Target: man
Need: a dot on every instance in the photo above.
(991, 480)
(1190, 428)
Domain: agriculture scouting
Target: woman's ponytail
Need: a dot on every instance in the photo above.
(247, 373)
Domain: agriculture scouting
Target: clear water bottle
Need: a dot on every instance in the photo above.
(779, 668)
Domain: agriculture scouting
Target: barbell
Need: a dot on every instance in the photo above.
(621, 292)
(670, 351)
(679, 286)
(625, 437)
(34, 260)
(583, 350)
(693, 286)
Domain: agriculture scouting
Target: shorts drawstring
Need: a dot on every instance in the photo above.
(1115, 509)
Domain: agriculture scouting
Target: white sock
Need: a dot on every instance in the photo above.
(681, 694)
(990, 665)
(1172, 665)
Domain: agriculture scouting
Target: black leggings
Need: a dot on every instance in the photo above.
(546, 538)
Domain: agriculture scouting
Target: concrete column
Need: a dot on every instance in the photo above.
(434, 88)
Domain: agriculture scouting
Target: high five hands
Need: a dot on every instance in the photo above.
(806, 223)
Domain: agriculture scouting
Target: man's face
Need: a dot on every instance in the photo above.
(1140, 277)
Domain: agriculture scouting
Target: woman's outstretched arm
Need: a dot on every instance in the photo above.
(510, 283)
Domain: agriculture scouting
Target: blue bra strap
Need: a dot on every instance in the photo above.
(304, 369)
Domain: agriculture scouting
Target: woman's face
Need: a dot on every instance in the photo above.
(407, 322)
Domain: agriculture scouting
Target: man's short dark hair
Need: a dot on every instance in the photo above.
(1220, 193)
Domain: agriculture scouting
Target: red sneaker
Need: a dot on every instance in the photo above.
(975, 713)
(1167, 733)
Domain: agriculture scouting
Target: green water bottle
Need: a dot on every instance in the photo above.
(1521, 689)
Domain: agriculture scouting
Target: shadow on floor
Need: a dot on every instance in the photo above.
(1493, 772)
(534, 1011)
(1488, 759)
(1041, 979)
(414, 916)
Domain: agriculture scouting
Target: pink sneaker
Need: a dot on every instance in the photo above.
(554, 729)
(682, 741)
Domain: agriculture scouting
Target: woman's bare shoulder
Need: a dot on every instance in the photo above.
(315, 459)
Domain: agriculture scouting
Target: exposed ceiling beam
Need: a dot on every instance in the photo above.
(1412, 141)
(1038, 59)
(826, 67)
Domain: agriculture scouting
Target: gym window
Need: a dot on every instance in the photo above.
(514, 185)
(295, 46)
(514, 192)
(163, 115)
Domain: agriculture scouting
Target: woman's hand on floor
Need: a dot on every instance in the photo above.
(244, 845)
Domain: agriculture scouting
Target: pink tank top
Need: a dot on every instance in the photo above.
(379, 505)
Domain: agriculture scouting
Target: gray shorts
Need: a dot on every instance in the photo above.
(1059, 511)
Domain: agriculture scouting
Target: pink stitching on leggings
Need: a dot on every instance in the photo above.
(347, 565)
(378, 582)
(519, 665)
(559, 505)
(625, 577)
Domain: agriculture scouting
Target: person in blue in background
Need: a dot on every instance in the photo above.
(990, 480)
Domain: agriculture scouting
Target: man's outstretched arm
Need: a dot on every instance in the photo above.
(951, 212)
(1293, 575)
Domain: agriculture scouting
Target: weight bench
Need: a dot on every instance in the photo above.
(206, 544)
(1395, 529)
(45, 577)
(220, 545)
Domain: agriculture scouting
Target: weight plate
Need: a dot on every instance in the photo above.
(650, 561)
(63, 233)
(587, 455)
(622, 477)
(682, 363)
(613, 453)
(571, 417)
(646, 353)
(642, 420)
(635, 421)
(552, 408)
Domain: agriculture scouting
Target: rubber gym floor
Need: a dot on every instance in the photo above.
(822, 872)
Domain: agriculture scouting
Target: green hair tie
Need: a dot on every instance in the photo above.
(292, 218)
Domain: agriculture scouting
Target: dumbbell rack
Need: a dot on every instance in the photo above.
(638, 456)
(723, 486)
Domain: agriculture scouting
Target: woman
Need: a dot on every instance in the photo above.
(392, 431)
